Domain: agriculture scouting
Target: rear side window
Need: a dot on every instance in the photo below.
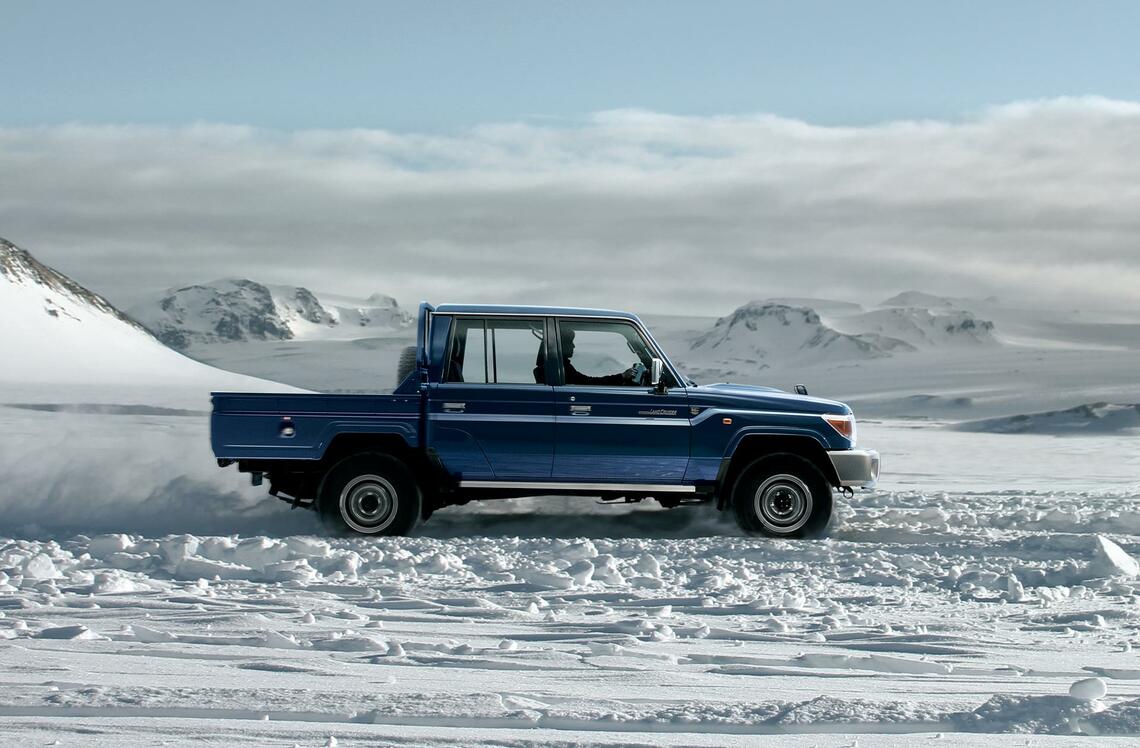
(498, 351)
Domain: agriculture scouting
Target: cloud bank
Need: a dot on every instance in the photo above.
(1029, 201)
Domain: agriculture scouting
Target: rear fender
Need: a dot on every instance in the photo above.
(406, 432)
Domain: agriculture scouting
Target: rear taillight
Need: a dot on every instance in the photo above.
(843, 423)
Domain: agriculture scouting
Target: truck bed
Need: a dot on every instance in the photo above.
(247, 426)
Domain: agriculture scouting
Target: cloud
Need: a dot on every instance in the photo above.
(1030, 201)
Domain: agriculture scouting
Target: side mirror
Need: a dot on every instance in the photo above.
(655, 368)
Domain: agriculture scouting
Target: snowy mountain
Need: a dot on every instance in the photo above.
(932, 301)
(239, 310)
(57, 332)
(920, 299)
(1091, 418)
(825, 307)
(762, 330)
(922, 328)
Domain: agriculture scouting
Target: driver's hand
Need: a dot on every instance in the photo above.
(635, 373)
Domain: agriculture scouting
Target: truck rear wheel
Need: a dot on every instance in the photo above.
(370, 494)
(782, 496)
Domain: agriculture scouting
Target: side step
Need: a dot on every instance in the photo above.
(549, 487)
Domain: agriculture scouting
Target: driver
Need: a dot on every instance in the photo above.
(632, 375)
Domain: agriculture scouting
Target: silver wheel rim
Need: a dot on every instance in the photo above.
(783, 503)
(368, 504)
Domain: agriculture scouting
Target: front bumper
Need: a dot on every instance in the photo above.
(856, 468)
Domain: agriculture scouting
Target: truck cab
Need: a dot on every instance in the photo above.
(508, 401)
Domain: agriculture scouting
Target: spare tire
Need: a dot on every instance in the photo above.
(407, 364)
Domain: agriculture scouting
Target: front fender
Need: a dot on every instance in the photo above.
(747, 431)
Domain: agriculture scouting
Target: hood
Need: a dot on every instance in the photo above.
(753, 397)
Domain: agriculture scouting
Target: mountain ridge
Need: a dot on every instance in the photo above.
(19, 265)
(242, 310)
(759, 329)
(60, 337)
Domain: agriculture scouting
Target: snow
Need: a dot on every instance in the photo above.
(1089, 689)
(503, 617)
(1113, 560)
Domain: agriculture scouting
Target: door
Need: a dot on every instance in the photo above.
(492, 415)
(611, 425)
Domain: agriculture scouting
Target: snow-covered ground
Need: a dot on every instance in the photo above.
(964, 597)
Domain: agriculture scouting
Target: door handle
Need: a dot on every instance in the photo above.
(454, 407)
(579, 410)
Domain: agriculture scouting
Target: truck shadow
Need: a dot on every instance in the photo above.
(591, 521)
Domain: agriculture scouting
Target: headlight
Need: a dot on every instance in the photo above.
(843, 423)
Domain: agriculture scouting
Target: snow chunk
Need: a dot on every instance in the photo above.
(577, 551)
(40, 566)
(277, 640)
(77, 632)
(1056, 715)
(581, 572)
(876, 662)
(350, 642)
(648, 565)
(178, 548)
(260, 552)
(112, 583)
(1088, 689)
(1113, 561)
(546, 579)
(1120, 719)
(148, 635)
(102, 546)
(196, 567)
(308, 546)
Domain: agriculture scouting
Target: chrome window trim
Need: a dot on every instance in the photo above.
(541, 318)
(582, 419)
(488, 418)
(600, 317)
(531, 385)
(622, 421)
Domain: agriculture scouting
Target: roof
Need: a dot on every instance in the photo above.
(553, 311)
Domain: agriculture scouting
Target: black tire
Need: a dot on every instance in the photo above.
(406, 365)
(370, 494)
(782, 496)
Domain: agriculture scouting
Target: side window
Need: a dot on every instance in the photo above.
(603, 353)
(468, 359)
(518, 351)
(498, 351)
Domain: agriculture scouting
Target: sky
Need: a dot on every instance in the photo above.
(655, 156)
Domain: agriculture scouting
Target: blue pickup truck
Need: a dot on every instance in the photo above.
(507, 401)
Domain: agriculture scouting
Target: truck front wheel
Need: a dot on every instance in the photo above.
(782, 496)
(370, 494)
